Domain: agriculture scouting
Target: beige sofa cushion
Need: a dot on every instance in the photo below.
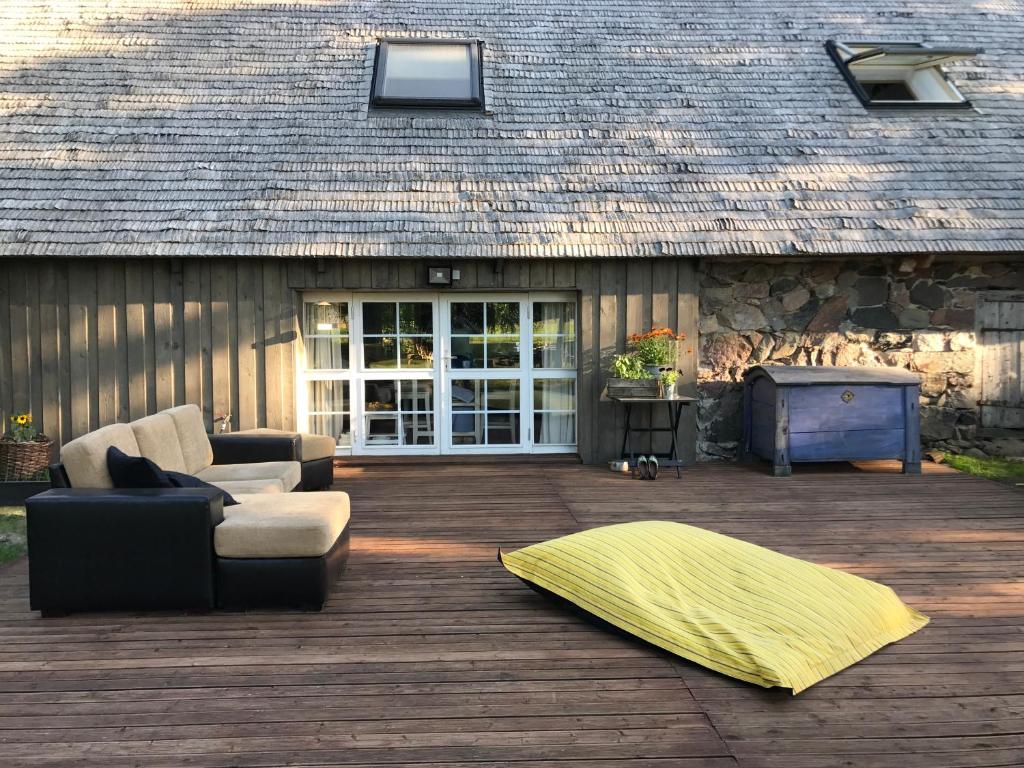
(85, 458)
(288, 525)
(158, 440)
(235, 487)
(288, 473)
(195, 445)
(310, 446)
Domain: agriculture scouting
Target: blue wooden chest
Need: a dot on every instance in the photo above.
(805, 413)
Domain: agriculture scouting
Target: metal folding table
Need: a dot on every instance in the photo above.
(673, 409)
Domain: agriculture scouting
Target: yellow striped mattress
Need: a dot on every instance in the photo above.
(729, 605)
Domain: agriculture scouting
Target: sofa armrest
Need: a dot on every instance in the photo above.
(240, 448)
(137, 549)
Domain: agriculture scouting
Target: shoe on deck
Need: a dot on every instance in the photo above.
(641, 467)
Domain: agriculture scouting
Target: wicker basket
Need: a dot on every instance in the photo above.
(24, 461)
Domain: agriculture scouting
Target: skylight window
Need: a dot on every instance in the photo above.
(438, 74)
(899, 74)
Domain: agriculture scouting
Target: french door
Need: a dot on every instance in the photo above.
(425, 373)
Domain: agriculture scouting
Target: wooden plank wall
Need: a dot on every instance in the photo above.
(84, 343)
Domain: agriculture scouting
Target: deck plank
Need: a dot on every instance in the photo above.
(428, 653)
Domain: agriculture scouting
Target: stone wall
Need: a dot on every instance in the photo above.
(909, 312)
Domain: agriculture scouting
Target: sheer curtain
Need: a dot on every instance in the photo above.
(555, 401)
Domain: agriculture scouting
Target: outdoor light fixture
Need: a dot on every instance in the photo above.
(442, 275)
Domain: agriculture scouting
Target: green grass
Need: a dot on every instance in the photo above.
(12, 533)
(1004, 470)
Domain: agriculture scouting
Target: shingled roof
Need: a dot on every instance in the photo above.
(617, 128)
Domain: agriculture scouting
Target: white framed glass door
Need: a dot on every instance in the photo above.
(428, 373)
(397, 372)
(484, 383)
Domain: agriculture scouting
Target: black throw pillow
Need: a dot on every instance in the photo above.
(181, 480)
(134, 471)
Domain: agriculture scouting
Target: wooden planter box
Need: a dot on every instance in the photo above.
(805, 413)
(633, 388)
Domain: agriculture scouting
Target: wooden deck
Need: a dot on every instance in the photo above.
(430, 654)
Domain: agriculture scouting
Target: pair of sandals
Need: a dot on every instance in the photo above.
(647, 467)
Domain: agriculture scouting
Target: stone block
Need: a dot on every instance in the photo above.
(829, 315)
(878, 318)
(742, 317)
(929, 294)
(794, 299)
(751, 291)
(929, 341)
(934, 384)
(961, 340)
(783, 285)
(871, 291)
(957, 319)
(892, 340)
(725, 351)
(914, 317)
(937, 423)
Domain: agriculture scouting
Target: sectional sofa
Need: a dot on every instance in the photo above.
(96, 547)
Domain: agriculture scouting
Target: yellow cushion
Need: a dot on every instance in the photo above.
(726, 604)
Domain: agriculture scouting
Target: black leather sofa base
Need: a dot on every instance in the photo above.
(285, 582)
(126, 550)
(318, 474)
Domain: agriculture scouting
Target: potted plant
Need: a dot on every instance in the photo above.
(630, 378)
(668, 383)
(657, 348)
(24, 451)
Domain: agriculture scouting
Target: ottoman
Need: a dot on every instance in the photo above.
(316, 454)
(281, 549)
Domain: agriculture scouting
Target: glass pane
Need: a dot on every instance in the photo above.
(380, 396)
(327, 318)
(467, 428)
(502, 428)
(502, 353)
(467, 352)
(554, 317)
(380, 352)
(467, 394)
(554, 394)
(381, 429)
(428, 71)
(329, 353)
(554, 352)
(417, 396)
(379, 317)
(503, 317)
(418, 429)
(416, 317)
(337, 425)
(555, 428)
(417, 352)
(328, 396)
(503, 395)
(468, 318)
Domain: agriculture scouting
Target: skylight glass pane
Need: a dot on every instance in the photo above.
(428, 72)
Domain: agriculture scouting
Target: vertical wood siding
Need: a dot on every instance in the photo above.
(84, 343)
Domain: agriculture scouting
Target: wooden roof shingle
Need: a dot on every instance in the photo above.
(639, 128)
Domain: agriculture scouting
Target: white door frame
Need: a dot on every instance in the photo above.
(521, 374)
(440, 373)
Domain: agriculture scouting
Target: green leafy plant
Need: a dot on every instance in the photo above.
(629, 366)
(22, 429)
(669, 378)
